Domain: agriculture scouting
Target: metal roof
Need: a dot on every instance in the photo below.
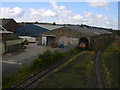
(88, 31)
(4, 21)
(49, 27)
(27, 37)
(30, 30)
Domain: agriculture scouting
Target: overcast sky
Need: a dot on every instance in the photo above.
(104, 14)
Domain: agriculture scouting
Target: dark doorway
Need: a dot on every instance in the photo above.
(50, 40)
(84, 41)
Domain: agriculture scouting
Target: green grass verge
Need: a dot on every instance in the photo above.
(110, 63)
(7, 82)
(44, 60)
(72, 75)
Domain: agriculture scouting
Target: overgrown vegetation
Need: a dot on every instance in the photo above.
(117, 32)
(110, 63)
(72, 75)
(44, 60)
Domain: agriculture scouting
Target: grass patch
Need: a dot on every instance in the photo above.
(76, 49)
(110, 63)
(72, 75)
(7, 82)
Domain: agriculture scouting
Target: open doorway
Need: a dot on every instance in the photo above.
(83, 43)
(50, 40)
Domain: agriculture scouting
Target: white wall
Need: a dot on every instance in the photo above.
(30, 39)
(44, 40)
(73, 41)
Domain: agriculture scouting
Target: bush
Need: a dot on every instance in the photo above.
(5, 79)
(46, 58)
(37, 64)
(57, 55)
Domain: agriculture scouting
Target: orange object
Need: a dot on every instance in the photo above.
(82, 45)
(54, 45)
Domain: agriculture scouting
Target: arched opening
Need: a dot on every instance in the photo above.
(83, 43)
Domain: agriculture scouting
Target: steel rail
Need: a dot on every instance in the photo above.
(99, 75)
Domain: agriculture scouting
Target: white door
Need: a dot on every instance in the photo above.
(44, 40)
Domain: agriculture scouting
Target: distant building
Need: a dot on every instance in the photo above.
(9, 24)
(9, 41)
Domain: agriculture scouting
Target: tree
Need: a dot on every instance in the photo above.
(36, 22)
(54, 23)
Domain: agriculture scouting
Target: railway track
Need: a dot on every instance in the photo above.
(99, 75)
(24, 84)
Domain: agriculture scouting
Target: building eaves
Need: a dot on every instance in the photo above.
(49, 27)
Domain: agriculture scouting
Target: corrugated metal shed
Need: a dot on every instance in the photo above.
(49, 27)
(30, 30)
(88, 31)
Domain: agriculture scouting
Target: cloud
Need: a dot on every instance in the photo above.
(99, 20)
(57, 8)
(67, 16)
(61, 10)
(42, 12)
(98, 3)
(59, 14)
(77, 17)
(60, 21)
(11, 12)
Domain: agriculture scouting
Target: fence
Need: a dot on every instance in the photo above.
(9, 69)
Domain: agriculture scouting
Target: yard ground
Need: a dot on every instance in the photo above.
(13, 62)
(73, 74)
